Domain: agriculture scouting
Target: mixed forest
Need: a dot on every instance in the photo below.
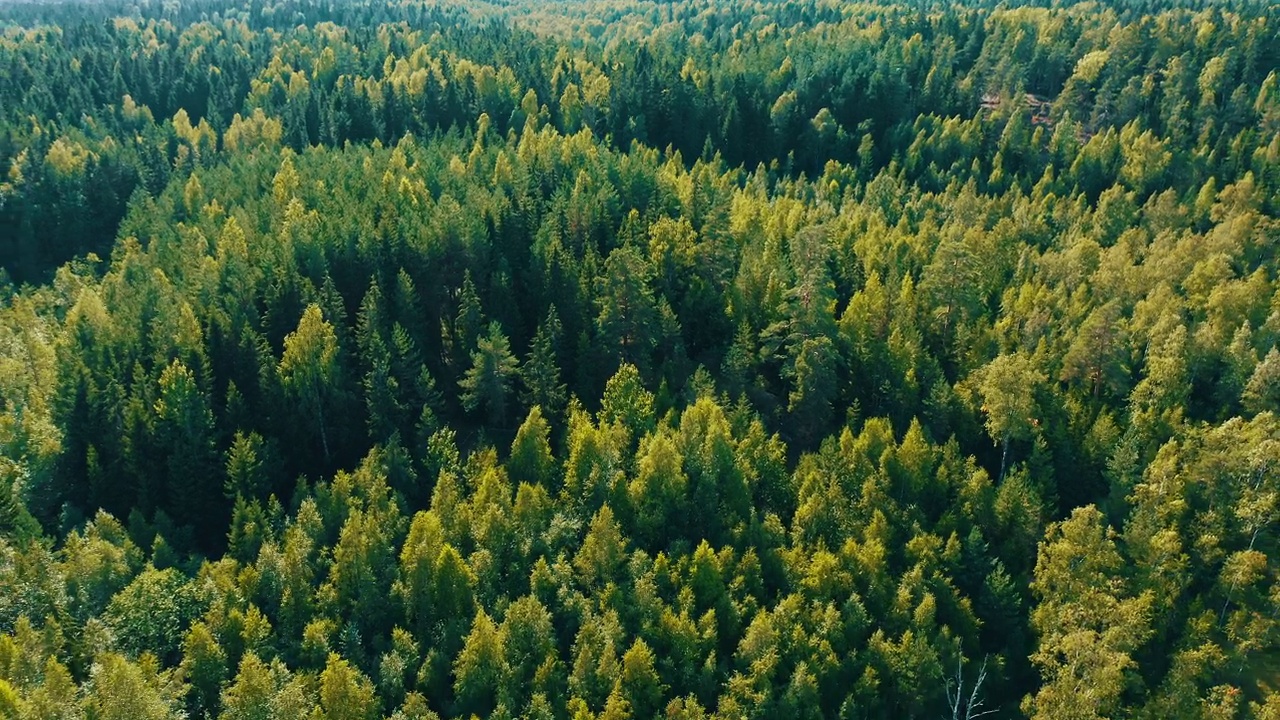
(607, 359)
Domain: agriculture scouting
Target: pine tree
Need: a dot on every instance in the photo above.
(470, 321)
(540, 374)
(185, 429)
(627, 319)
(487, 384)
(247, 467)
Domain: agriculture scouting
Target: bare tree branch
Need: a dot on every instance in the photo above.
(969, 708)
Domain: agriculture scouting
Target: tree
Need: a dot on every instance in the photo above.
(627, 314)
(397, 668)
(487, 383)
(415, 586)
(532, 655)
(595, 660)
(204, 663)
(1097, 354)
(151, 614)
(967, 704)
(1007, 387)
(247, 466)
(718, 496)
(345, 693)
(382, 390)
(1159, 400)
(951, 285)
(1262, 392)
(251, 695)
(481, 669)
(184, 426)
(814, 389)
(616, 707)
(658, 493)
(1087, 285)
(1145, 158)
(248, 531)
(56, 697)
(309, 368)
(531, 460)
(98, 561)
(15, 521)
(436, 588)
(364, 568)
(641, 687)
(626, 402)
(1089, 624)
(540, 374)
(470, 321)
(122, 690)
(603, 550)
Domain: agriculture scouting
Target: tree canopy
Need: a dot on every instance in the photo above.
(697, 359)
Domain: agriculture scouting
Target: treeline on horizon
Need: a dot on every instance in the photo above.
(627, 360)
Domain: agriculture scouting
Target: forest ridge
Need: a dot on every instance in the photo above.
(609, 359)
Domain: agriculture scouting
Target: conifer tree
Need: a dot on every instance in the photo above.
(487, 384)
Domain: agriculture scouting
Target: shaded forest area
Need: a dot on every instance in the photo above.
(606, 359)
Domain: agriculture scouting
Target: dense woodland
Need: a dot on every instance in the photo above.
(605, 359)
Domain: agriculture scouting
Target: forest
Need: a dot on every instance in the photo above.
(609, 359)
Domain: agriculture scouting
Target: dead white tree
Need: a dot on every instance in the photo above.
(967, 706)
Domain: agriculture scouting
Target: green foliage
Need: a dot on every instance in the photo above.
(309, 366)
(204, 664)
(487, 382)
(247, 466)
(531, 460)
(1262, 393)
(540, 373)
(854, 380)
(152, 613)
(480, 669)
(1007, 387)
(1088, 624)
(119, 689)
(266, 692)
(659, 493)
(345, 693)
(627, 317)
(626, 403)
